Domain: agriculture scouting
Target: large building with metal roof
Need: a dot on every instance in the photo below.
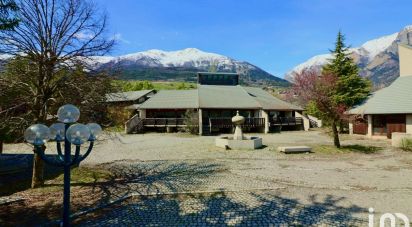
(388, 110)
(215, 101)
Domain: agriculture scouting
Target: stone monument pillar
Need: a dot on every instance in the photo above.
(238, 121)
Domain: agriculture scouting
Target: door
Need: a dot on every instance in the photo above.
(360, 126)
(379, 125)
(395, 123)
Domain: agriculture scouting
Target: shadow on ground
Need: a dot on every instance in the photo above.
(152, 178)
(222, 209)
(44, 205)
(16, 172)
(362, 149)
(260, 208)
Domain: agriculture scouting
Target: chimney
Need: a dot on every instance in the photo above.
(405, 59)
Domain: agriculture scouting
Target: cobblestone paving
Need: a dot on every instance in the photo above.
(247, 192)
(256, 188)
(159, 177)
(243, 200)
(260, 208)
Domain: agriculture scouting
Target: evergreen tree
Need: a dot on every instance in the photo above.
(339, 87)
(352, 89)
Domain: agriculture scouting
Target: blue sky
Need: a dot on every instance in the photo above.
(274, 35)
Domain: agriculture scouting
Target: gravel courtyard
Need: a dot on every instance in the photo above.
(196, 180)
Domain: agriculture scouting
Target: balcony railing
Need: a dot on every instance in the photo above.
(163, 122)
(282, 121)
(227, 122)
(137, 124)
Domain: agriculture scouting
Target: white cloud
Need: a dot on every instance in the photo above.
(83, 35)
(119, 37)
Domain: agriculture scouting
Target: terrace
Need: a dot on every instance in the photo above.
(210, 125)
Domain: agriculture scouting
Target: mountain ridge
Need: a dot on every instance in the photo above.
(377, 58)
(182, 64)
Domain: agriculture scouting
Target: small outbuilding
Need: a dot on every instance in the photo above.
(129, 99)
(388, 110)
(123, 105)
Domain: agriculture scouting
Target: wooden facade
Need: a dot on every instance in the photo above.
(165, 113)
(381, 125)
(213, 121)
(360, 126)
(395, 123)
(385, 125)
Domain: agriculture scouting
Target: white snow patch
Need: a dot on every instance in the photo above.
(102, 59)
(369, 49)
(376, 46)
(317, 60)
(409, 27)
(177, 58)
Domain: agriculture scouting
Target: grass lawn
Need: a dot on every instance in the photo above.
(173, 85)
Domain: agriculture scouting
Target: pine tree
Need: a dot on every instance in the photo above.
(336, 89)
(352, 89)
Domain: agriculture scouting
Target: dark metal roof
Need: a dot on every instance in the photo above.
(126, 96)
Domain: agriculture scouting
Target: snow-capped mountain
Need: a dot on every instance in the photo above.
(377, 58)
(191, 57)
(180, 65)
(374, 47)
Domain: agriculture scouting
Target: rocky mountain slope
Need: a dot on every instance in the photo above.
(378, 59)
(181, 65)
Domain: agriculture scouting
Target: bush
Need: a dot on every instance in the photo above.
(406, 144)
(191, 120)
(118, 115)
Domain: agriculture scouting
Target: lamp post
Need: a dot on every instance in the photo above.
(71, 133)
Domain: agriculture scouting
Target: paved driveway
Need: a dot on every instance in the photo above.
(186, 179)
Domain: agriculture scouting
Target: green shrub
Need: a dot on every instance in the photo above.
(406, 144)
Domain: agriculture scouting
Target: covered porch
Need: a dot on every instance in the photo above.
(212, 121)
(381, 125)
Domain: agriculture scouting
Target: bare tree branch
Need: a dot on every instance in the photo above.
(52, 39)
